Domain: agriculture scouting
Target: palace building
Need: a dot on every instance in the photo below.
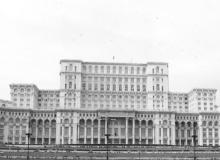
(129, 101)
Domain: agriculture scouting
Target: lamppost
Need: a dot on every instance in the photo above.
(139, 149)
(140, 142)
(107, 135)
(194, 140)
(28, 134)
(90, 154)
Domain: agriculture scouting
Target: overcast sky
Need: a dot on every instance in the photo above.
(35, 35)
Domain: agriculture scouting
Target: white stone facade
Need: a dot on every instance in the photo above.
(130, 101)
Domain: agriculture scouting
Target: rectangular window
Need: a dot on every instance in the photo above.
(120, 70)
(102, 87)
(114, 69)
(182, 134)
(188, 133)
(138, 70)
(138, 88)
(126, 70)
(143, 70)
(83, 86)
(90, 87)
(132, 87)
(114, 87)
(132, 70)
(144, 88)
(96, 87)
(108, 87)
(157, 87)
(164, 132)
(108, 69)
(120, 87)
(126, 87)
(102, 69)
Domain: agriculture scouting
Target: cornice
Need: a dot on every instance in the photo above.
(106, 110)
(114, 63)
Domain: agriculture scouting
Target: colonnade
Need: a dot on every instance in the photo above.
(121, 130)
(185, 131)
(43, 131)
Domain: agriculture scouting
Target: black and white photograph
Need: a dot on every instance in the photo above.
(109, 80)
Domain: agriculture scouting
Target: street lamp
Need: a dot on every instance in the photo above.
(139, 149)
(90, 154)
(194, 140)
(107, 138)
(140, 142)
(28, 136)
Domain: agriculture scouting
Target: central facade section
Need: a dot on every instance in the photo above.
(114, 93)
(115, 86)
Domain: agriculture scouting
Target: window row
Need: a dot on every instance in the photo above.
(114, 79)
(205, 108)
(205, 94)
(113, 106)
(70, 85)
(199, 103)
(22, 89)
(21, 99)
(113, 87)
(48, 95)
(114, 69)
(112, 97)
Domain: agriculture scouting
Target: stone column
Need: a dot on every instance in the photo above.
(126, 130)
(133, 131)
(43, 133)
(154, 135)
(20, 133)
(69, 136)
(168, 135)
(106, 129)
(5, 140)
(58, 131)
(62, 126)
(199, 136)
(92, 128)
(85, 130)
(36, 136)
(50, 133)
(75, 129)
(191, 136)
(213, 136)
(139, 132)
(77, 136)
(218, 135)
(99, 127)
(146, 135)
(27, 131)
